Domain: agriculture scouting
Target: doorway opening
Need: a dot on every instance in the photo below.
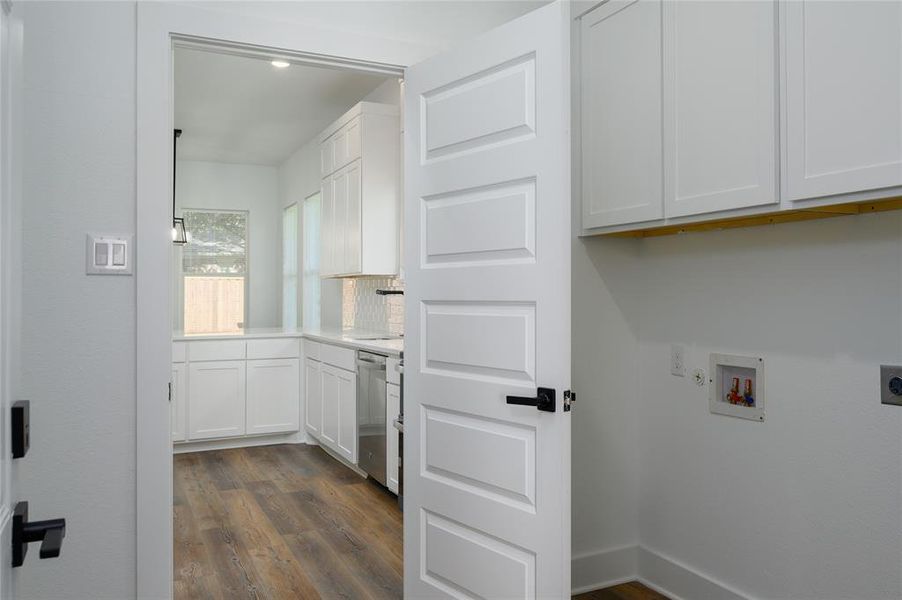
(274, 160)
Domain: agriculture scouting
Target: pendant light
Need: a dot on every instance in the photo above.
(179, 235)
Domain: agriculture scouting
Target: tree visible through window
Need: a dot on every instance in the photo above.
(215, 270)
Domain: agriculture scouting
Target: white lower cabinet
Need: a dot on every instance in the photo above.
(313, 397)
(217, 399)
(392, 435)
(273, 396)
(339, 424)
(178, 402)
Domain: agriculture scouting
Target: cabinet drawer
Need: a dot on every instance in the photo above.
(179, 352)
(343, 358)
(217, 350)
(392, 375)
(312, 349)
(275, 348)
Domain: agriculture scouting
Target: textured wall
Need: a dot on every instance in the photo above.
(364, 309)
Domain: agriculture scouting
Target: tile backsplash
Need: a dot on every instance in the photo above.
(362, 308)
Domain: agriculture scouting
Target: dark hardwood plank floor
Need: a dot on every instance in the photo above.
(289, 521)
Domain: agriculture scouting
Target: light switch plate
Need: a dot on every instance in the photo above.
(108, 254)
(891, 384)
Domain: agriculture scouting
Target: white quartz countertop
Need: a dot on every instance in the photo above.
(360, 340)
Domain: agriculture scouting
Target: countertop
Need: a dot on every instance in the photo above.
(360, 340)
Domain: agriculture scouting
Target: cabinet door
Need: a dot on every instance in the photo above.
(329, 385)
(178, 402)
(273, 395)
(339, 222)
(352, 140)
(622, 168)
(313, 397)
(326, 156)
(347, 415)
(327, 225)
(720, 124)
(392, 410)
(353, 256)
(843, 96)
(216, 393)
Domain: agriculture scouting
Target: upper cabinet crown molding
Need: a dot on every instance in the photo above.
(360, 156)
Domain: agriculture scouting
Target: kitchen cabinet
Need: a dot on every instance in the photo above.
(392, 435)
(178, 402)
(216, 395)
(313, 397)
(273, 395)
(360, 156)
(720, 106)
(843, 97)
(339, 425)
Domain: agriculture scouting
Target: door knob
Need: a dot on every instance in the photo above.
(543, 400)
(50, 533)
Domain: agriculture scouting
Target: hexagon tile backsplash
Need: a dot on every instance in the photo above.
(363, 309)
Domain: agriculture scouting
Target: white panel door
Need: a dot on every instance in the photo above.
(392, 410)
(347, 415)
(216, 393)
(843, 96)
(273, 395)
(487, 483)
(329, 387)
(620, 113)
(179, 402)
(720, 116)
(313, 397)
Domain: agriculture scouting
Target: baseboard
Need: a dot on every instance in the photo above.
(239, 442)
(603, 568)
(678, 581)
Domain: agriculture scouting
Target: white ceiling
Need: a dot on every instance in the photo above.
(234, 109)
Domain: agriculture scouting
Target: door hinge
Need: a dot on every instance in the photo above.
(569, 398)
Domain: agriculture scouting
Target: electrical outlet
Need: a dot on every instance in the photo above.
(698, 376)
(891, 385)
(678, 360)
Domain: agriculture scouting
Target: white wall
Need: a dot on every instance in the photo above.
(806, 505)
(255, 189)
(78, 350)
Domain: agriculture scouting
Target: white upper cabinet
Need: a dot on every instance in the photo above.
(843, 96)
(620, 113)
(720, 106)
(361, 192)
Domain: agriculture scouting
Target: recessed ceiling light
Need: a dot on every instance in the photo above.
(280, 64)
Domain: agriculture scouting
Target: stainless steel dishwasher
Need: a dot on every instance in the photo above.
(371, 414)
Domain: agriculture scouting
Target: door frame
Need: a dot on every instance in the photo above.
(160, 26)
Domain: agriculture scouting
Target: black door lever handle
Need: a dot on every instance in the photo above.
(50, 533)
(543, 400)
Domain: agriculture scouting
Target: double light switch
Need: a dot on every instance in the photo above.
(108, 255)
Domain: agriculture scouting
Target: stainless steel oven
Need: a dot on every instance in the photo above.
(371, 414)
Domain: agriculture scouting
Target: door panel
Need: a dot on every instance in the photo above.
(273, 390)
(347, 415)
(720, 122)
(843, 90)
(329, 386)
(313, 397)
(216, 392)
(487, 168)
(179, 402)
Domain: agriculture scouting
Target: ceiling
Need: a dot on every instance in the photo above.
(235, 109)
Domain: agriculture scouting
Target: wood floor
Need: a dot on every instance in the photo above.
(290, 521)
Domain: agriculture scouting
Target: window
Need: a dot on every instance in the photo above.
(311, 262)
(290, 267)
(215, 271)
